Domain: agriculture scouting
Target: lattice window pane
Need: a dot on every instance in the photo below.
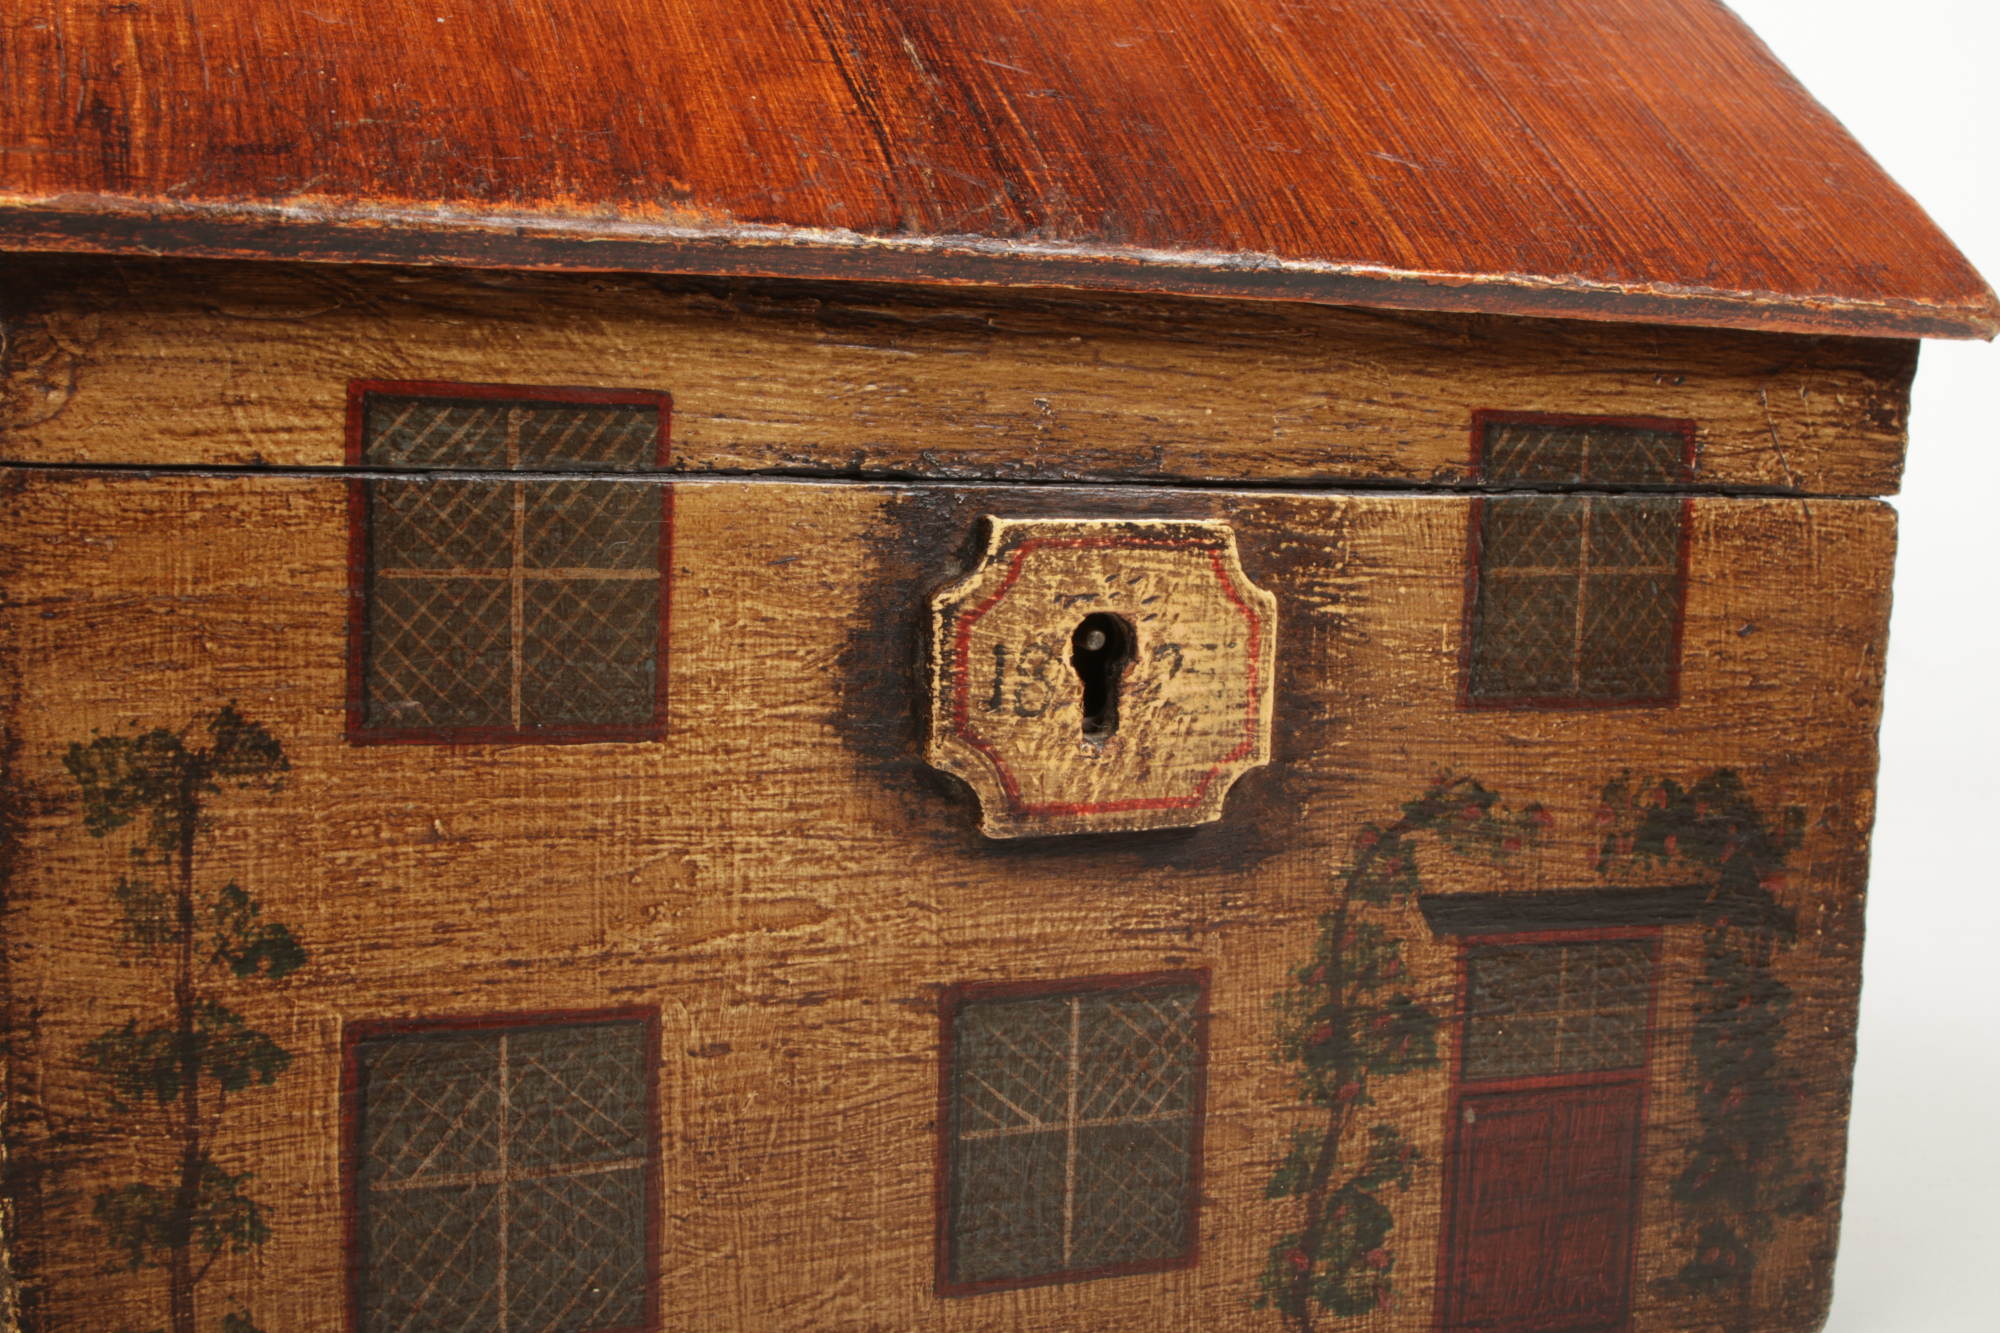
(596, 1083)
(1136, 1055)
(1606, 1027)
(511, 606)
(1131, 1193)
(1072, 1130)
(591, 525)
(502, 1178)
(1524, 535)
(1007, 1206)
(1559, 1008)
(1578, 600)
(1012, 1062)
(1524, 635)
(576, 1260)
(484, 434)
(440, 653)
(406, 432)
(589, 652)
(569, 437)
(433, 1103)
(1581, 453)
(432, 1262)
(1627, 644)
(1636, 532)
(440, 525)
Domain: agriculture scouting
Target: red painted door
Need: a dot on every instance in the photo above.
(1546, 1184)
(1545, 1165)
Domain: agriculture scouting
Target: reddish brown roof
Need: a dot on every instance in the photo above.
(1620, 159)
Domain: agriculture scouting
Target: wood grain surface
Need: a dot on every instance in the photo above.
(792, 888)
(248, 365)
(1615, 159)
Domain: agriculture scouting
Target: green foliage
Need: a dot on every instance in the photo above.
(1741, 1169)
(1391, 1161)
(143, 1223)
(152, 1063)
(146, 914)
(234, 1055)
(1295, 1169)
(139, 1063)
(1716, 827)
(162, 782)
(1346, 1271)
(239, 940)
(1346, 1268)
(156, 775)
(1348, 1018)
(246, 946)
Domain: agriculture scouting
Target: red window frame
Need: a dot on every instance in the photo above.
(358, 392)
(956, 996)
(354, 1033)
(1475, 527)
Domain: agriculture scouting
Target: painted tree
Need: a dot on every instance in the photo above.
(181, 1069)
(1346, 1020)
(1741, 1172)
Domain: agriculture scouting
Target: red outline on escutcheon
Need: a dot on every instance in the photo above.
(961, 708)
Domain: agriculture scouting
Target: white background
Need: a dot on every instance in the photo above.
(1918, 83)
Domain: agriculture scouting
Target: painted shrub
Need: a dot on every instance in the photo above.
(1346, 1020)
(170, 1073)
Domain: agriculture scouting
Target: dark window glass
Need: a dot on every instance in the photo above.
(1563, 1008)
(517, 608)
(1577, 600)
(1072, 1132)
(1581, 453)
(502, 1178)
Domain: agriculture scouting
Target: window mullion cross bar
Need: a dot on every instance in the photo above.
(452, 1180)
(1069, 1131)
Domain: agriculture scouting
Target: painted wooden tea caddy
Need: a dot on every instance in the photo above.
(872, 666)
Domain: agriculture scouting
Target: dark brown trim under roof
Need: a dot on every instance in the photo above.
(125, 228)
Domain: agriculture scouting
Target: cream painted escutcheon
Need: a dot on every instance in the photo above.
(1102, 675)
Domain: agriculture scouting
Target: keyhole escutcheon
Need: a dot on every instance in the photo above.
(1099, 651)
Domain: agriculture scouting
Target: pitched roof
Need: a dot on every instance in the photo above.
(1643, 160)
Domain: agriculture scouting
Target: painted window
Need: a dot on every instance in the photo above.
(1558, 1008)
(1576, 599)
(1072, 1129)
(501, 1176)
(489, 607)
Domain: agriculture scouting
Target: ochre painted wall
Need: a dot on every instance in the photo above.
(792, 888)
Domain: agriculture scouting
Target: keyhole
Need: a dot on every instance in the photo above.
(1100, 648)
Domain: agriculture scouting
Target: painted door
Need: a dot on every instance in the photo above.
(1550, 1116)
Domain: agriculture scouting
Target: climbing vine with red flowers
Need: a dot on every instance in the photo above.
(1742, 1171)
(1346, 1021)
